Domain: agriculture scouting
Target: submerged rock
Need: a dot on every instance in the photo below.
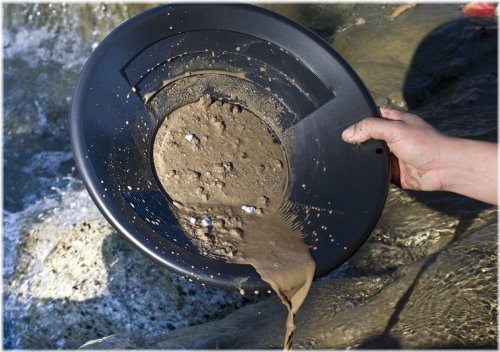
(431, 60)
(447, 300)
(382, 50)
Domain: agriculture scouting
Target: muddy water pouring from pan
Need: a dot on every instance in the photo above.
(276, 249)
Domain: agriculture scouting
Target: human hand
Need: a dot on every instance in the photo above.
(424, 159)
(414, 144)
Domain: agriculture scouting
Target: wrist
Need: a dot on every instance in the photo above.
(469, 167)
(449, 166)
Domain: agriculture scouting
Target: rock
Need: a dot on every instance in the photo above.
(359, 21)
(415, 225)
(447, 300)
(75, 279)
(328, 20)
(382, 50)
(432, 61)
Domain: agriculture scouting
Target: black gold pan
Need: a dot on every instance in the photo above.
(124, 93)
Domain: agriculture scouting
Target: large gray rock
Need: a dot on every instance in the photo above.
(70, 278)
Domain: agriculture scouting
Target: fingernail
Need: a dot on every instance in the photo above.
(348, 133)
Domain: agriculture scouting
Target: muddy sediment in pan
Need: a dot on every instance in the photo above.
(227, 173)
(225, 165)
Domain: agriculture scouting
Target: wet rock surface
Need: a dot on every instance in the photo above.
(425, 278)
(76, 279)
(447, 300)
(382, 50)
(431, 60)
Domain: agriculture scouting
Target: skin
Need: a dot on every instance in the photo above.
(424, 159)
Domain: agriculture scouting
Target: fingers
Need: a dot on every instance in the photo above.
(392, 114)
(371, 127)
(397, 115)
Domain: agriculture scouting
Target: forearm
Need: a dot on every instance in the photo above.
(469, 168)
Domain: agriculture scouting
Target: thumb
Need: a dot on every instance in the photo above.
(370, 127)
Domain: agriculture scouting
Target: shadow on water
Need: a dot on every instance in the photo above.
(459, 61)
(452, 79)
